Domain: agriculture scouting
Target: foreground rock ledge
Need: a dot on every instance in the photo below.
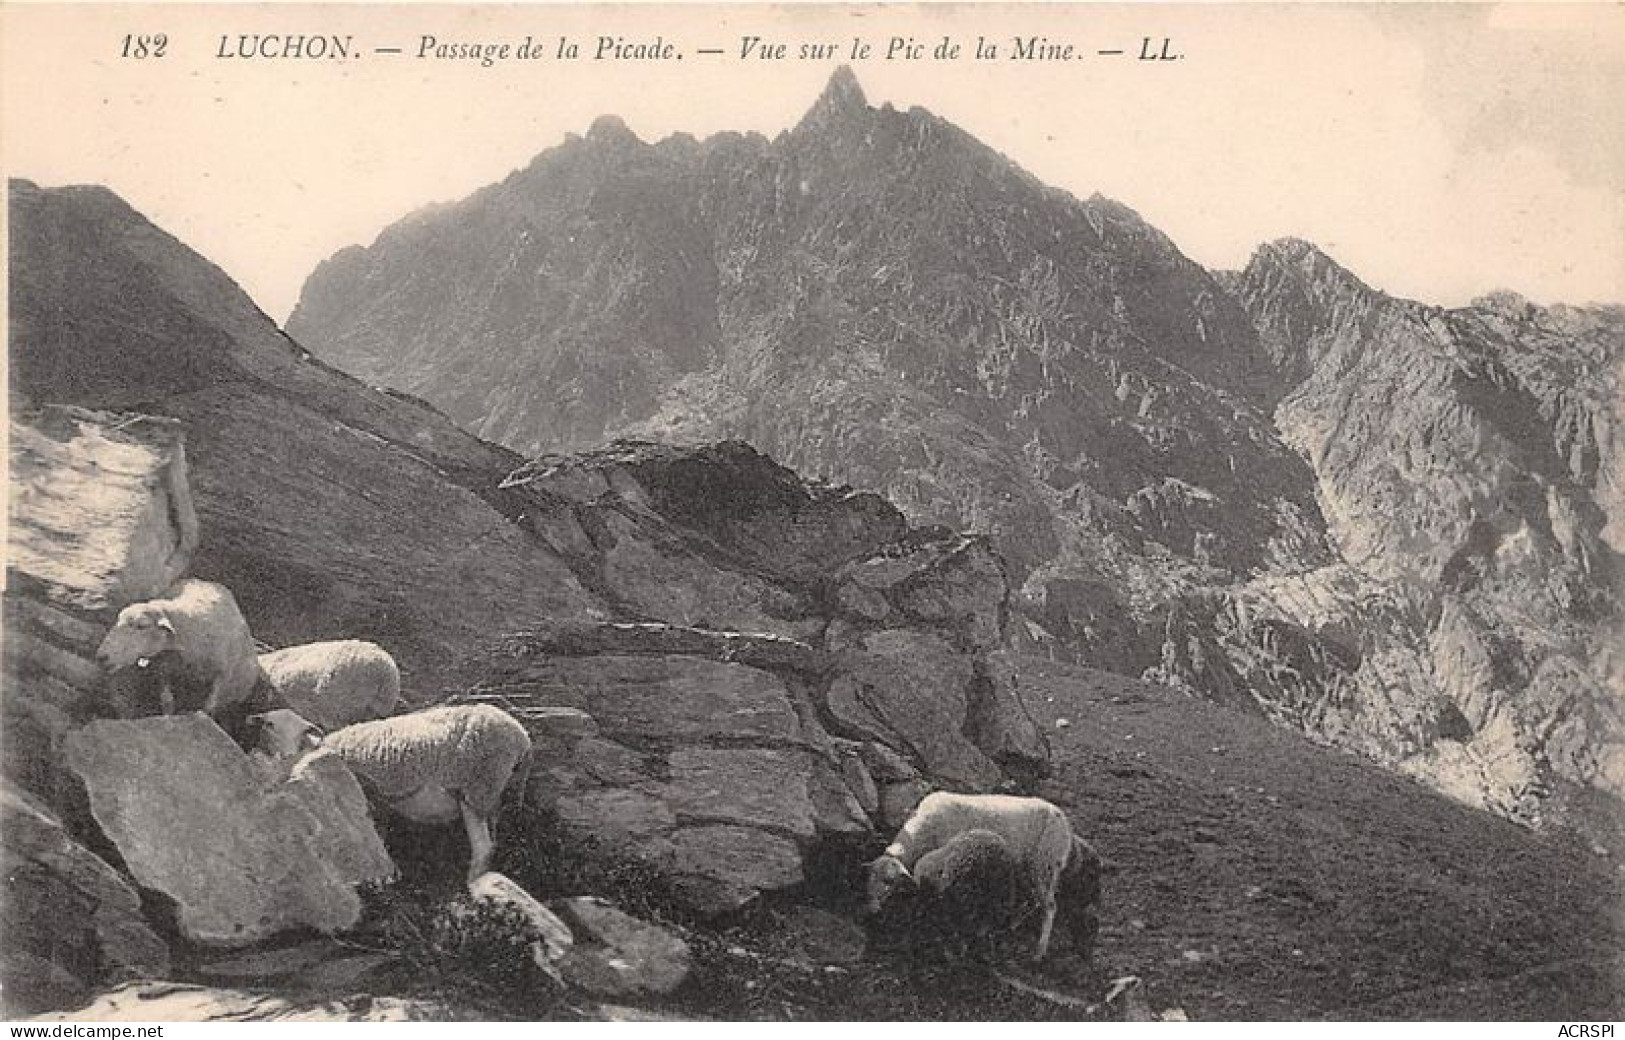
(243, 859)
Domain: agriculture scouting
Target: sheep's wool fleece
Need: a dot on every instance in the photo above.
(1037, 832)
(470, 749)
(973, 857)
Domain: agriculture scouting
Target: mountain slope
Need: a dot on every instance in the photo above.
(874, 296)
(330, 506)
(1468, 461)
(1264, 487)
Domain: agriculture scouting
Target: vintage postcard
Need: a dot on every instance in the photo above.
(814, 512)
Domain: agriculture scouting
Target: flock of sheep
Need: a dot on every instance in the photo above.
(337, 699)
(342, 699)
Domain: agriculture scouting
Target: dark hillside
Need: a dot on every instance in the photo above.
(1258, 877)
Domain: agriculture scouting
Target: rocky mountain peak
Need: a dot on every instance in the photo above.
(843, 92)
(1293, 290)
(1313, 271)
(611, 130)
(1504, 303)
(842, 102)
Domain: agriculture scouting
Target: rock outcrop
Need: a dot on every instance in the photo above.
(101, 515)
(722, 758)
(1468, 463)
(70, 920)
(619, 956)
(243, 856)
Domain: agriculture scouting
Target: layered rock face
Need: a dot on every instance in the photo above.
(70, 919)
(100, 515)
(720, 757)
(1274, 487)
(1468, 462)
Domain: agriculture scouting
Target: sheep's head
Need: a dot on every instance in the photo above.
(884, 876)
(282, 733)
(142, 632)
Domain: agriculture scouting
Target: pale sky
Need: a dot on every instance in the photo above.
(1437, 151)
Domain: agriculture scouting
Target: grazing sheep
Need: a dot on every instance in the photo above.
(429, 766)
(1037, 834)
(335, 684)
(199, 630)
(974, 886)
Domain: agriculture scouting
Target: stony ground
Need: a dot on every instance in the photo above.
(1253, 877)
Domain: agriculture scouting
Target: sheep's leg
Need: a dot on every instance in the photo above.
(166, 696)
(211, 703)
(480, 842)
(1044, 926)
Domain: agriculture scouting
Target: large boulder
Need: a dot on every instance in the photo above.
(70, 921)
(241, 857)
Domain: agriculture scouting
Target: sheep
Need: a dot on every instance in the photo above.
(1037, 834)
(198, 626)
(335, 684)
(973, 886)
(429, 766)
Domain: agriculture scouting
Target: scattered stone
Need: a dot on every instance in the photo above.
(1126, 996)
(551, 937)
(618, 955)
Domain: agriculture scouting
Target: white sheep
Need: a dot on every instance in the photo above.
(198, 624)
(335, 684)
(429, 766)
(1038, 836)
